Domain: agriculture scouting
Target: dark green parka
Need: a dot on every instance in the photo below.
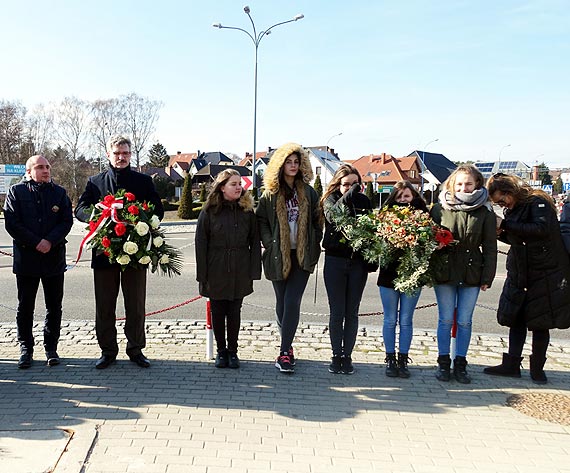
(228, 253)
(473, 260)
(272, 217)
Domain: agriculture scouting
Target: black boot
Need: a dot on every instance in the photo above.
(443, 372)
(222, 359)
(391, 365)
(536, 369)
(403, 370)
(511, 367)
(460, 370)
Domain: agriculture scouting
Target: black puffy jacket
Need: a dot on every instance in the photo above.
(34, 212)
(537, 287)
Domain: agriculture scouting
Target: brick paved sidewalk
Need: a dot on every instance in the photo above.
(184, 415)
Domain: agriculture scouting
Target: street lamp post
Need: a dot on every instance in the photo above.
(327, 158)
(423, 165)
(500, 153)
(256, 39)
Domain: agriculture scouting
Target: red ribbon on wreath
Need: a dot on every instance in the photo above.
(110, 207)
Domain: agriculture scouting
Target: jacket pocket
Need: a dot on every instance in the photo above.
(271, 263)
(511, 304)
(440, 267)
(474, 268)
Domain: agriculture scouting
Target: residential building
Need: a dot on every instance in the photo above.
(518, 168)
(384, 170)
(209, 172)
(324, 162)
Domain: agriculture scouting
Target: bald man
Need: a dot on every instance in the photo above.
(38, 217)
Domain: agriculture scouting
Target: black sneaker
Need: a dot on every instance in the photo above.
(291, 356)
(222, 359)
(52, 358)
(283, 363)
(25, 361)
(335, 366)
(346, 364)
(233, 360)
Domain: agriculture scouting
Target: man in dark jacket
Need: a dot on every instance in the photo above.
(109, 277)
(38, 217)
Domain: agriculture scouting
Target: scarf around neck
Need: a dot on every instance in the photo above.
(463, 200)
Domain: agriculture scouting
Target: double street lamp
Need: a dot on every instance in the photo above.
(500, 153)
(256, 39)
(327, 157)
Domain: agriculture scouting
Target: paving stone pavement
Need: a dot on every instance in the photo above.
(184, 415)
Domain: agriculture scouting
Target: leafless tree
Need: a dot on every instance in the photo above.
(12, 128)
(72, 127)
(40, 128)
(141, 116)
(107, 119)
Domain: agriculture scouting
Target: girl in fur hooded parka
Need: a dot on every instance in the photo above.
(291, 228)
(228, 259)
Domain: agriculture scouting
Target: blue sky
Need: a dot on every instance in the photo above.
(391, 76)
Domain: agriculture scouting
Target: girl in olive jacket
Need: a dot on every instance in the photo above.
(290, 225)
(536, 293)
(464, 268)
(228, 259)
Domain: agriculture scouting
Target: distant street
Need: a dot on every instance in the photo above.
(166, 292)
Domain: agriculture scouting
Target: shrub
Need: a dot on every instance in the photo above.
(185, 207)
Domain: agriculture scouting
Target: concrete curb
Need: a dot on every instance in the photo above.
(262, 336)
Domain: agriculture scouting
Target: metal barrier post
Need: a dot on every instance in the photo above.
(209, 332)
(454, 337)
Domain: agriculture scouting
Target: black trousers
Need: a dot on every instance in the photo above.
(133, 285)
(517, 338)
(53, 295)
(223, 310)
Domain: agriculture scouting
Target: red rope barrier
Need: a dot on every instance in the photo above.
(170, 308)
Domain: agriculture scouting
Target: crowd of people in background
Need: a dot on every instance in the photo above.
(291, 223)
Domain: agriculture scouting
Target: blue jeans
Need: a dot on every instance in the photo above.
(448, 298)
(345, 279)
(390, 300)
(288, 295)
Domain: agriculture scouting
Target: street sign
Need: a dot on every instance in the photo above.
(13, 169)
(246, 182)
(10, 174)
(547, 188)
(566, 186)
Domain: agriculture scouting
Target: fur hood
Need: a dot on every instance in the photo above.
(246, 202)
(271, 177)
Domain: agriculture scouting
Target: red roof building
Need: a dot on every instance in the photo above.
(384, 170)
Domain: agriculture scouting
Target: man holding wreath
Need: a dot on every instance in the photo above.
(108, 278)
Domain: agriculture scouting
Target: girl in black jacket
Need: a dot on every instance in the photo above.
(345, 272)
(228, 259)
(536, 293)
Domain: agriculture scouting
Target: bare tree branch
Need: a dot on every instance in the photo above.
(141, 116)
(107, 119)
(12, 126)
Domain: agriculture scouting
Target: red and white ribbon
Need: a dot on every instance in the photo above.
(109, 207)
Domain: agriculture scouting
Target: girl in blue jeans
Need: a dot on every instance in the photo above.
(403, 194)
(466, 267)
